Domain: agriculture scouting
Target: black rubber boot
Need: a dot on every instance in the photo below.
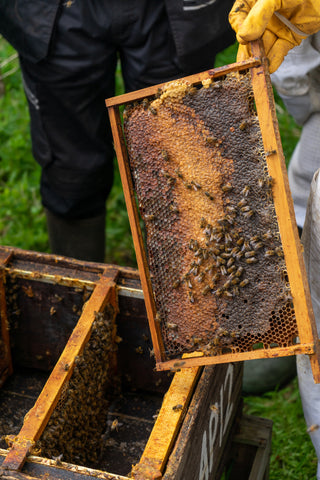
(83, 239)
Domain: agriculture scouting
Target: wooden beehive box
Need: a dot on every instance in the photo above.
(174, 426)
(219, 255)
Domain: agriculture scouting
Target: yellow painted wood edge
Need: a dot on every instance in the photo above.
(307, 348)
(166, 428)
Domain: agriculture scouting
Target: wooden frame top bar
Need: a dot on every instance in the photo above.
(194, 79)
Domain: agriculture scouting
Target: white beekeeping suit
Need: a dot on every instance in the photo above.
(297, 80)
(309, 391)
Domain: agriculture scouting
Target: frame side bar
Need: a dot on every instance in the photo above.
(136, 231)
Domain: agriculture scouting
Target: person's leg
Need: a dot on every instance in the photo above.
(145, 43)
(71, 137)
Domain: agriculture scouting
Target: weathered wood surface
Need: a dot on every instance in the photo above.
(204, 433)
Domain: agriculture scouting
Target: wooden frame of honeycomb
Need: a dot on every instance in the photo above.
(228, 333)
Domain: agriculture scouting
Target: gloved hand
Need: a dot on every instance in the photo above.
(282, 24)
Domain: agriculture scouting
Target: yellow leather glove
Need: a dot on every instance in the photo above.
(282, 24)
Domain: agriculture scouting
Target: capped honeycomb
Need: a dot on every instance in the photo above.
(74, 431)
(212, 238)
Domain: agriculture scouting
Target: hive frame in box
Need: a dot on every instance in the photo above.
(263, 97)
(38, 417)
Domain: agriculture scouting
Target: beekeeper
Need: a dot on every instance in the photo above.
(68, 52)
(283, 25)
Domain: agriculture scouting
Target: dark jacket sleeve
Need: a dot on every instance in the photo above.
(28, 25)
(201, 29)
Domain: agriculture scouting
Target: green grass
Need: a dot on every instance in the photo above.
(292, 456)
(22, 224)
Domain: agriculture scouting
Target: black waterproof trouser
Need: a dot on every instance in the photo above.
(71, 137)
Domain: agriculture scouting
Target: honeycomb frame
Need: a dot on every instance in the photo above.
(223, 345)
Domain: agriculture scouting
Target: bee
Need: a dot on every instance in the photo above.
(158, 318)
(220, 261)
(257, 246)
(269, 253)
(194, 269)
(223, 270)
(243, 283)
(227, 284)
(149, 217)
(215, 277)
(235, 291)
(200, 277)
(193, 244)
(153, 110)
(229, 219)
(187, 185)
(227, 187)
(267, 235)
(226, 293)
(217, 237)
(145, 103)
(240, 241)
(250, 254)
(251, 260)
(260, 182)
(248, 214)
(191, 297)
(231, 209)
(211, 140)
(173, 208)
(243, 125)
(200, 260)
(279, 251)
(206, 290)
(312, 428)
(198, 253)
(172, 326)
(231, 269)
(239, 255)
(246, 208)
(176, 284)
(209, 195)
(270, 152)
(230, 262)
(164, 155)
(226, 255)
(235, 280)
(171, 181)
(234, 250)
(203, 222)
(269, 181)
(245, 191)
(218, 292)
(188, 282)
(239, 272)
(52, 311)
(195, 185)
(207, 231)
(179, 174)
(115, 425)
(177, 408)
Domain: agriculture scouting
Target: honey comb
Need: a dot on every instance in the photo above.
(212, 237)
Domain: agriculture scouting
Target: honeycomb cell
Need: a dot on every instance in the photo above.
(205, 196)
